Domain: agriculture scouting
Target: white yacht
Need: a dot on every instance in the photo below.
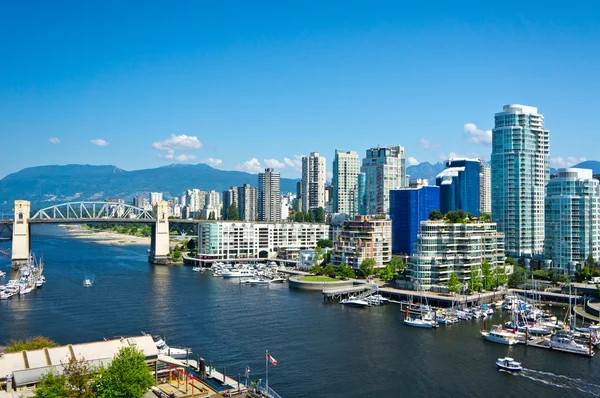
(377, 299)
(2, 274)
(355, 302)
(237, 273)
(173, 352)
(25, 289)
(508, 364)
(6, 294)
(566, 343)
(497, 336)
(420, 323)
(259, 282)
(278, 279)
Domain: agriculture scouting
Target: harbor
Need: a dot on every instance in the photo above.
(231, 325)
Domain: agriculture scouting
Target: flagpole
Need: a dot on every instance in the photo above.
(267, 368)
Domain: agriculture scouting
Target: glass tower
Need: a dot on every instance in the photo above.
(520, 171)
(385, 169)
(346, 166)
(460, 186)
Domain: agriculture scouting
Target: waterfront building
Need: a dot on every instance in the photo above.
(385, 169)
(572, 210)
(230, 197)
(520, 171)
(363, 237)
(346, 167)
(408, 207)
(459, 186)
(485, 186)
(313, 182)
(196, 199)
(269, 196)
(248, 203)
(362, 194)
(235, 239)
(443, 248)
(155, 197)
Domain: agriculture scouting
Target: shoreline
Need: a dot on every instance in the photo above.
(105, 237)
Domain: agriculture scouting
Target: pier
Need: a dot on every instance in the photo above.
(340, 293)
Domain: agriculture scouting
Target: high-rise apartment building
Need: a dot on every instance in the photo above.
(385, 169)
(459, 186)
(408, 207)
(363, 237)
(346, 167)
(572, 219)
(520, 171)
(485, 186)
(155, 197)
(362, 194)
(196, 199)
(313, 182)
(213, 205)
(269, 196)
(230, 197)
(248, 203)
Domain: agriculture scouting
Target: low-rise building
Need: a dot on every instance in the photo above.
(443, 248)
(239, 239)
(363, 237)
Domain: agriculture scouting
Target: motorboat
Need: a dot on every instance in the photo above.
(173, 352)
(508, 364)
(2, 274)
(87, 282)
(259, 282)
(536, 330)
(237, 273)
(500, 338)
(356, 302)
(197, 269)
(25, 289)
(420, 323)
(379, 299)
(278, 279)
(564, 342)
(5, 295)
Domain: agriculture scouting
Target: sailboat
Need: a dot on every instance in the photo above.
(420, 322)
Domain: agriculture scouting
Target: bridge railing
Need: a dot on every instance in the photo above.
(93, 211)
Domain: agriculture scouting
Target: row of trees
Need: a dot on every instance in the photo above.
(314, 215)
(458, 216)
(129, 229)
(127, 375)
(366, 269)
(484, 277)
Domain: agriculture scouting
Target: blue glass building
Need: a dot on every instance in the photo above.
(460, 185)
(408, 207)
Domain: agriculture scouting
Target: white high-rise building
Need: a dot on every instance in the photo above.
(485, 187)
(313, 181)
(213, 205)
(248, 203)
(155, 197)
(385, 169)
(196, 199)
(572, 219)
(520, 171)
(269, 196)
(346, 166)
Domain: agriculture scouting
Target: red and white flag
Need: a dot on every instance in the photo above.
(272, 360)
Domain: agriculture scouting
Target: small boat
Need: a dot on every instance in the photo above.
(5, 295)
(173, 352)
(508, 364)
(87, 282)
(278, 279)
(420, 323)
(239, 273)
(25, 289)
(355, 302)
(500, 338)
(197, 269)
(259, 282)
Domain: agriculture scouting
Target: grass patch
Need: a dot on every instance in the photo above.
(317, 278)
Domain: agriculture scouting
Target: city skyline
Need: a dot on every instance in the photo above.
(215, 86)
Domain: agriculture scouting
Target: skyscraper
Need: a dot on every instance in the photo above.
(346, 166)
(196, 199)
(485, 187)
(408, 207)
(269, 196)
(247, 198)
(459, 186)
(230, 197)
(313, 182)
(520, 171)
(155, 197)
(385, 169)
(572, 218)
(362, 194)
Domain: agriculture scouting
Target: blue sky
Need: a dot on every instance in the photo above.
(249, 84)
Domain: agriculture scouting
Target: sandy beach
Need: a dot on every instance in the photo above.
(105, 237)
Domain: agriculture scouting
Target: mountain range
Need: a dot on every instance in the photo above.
(46, 185)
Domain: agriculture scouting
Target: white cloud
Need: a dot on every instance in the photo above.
(295, 163)
(427, 144)
(180, 141)
(478, 136)
(170, 155)
(99, 142)
(250, 166)
(274, 163)
(411, 161)
(212, 162)
(185, 157)
(560, 162)
(54, 140)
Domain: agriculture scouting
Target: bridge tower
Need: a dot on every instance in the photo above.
(159, 251)
(21, 234)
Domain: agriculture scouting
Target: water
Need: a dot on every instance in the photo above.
(323, 349)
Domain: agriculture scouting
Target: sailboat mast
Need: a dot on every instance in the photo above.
(267, 369)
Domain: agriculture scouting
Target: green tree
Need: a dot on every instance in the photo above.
(598, 290)
(52, 385)
(320, 215)
(318, 256)
(77, 381)
(329, 271)
(346, 272)
(452, 217)
(324, 243)
(388, 273)
(475, 282)
(501, 277)
(176, 254)
(367, 267)
(32, 343)
(191, 245)
(211, 215)
(316, 269)
(489, 281)
(510, 261)
(485, 217)
(232, 213)
(299, 216)
(453, 283)
(518, 277)
(309, 216)
(584, 274)
(398, 264)
(127, 375)
(436, 215)
(590, 262)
